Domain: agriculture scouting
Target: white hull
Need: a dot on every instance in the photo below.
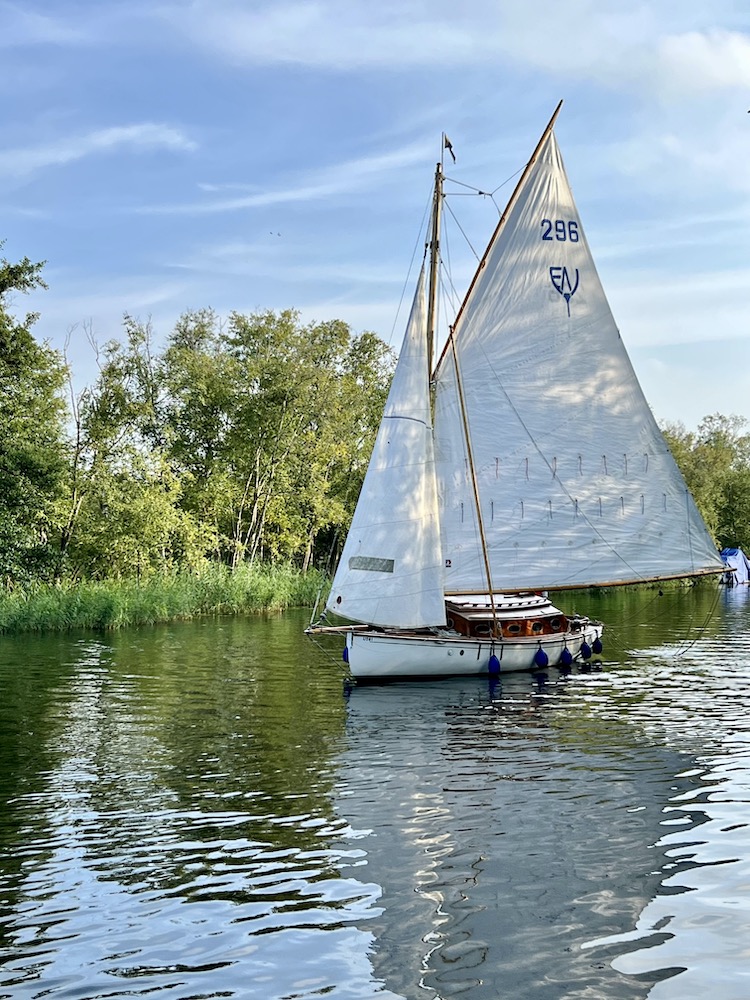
(384, 655)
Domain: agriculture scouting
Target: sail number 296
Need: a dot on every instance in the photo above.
(560, 229)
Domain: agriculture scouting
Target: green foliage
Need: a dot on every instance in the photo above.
(715, 461)
(208, 473)
(271, 421)
(33, 445)
(238, 448)
(114, 604)
(238, 442)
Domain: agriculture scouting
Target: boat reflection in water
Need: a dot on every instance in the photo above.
(509, 827)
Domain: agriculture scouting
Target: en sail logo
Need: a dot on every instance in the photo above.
(561, 280)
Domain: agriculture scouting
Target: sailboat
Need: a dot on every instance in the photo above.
(524, 462)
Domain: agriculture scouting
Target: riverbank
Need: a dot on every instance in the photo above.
(115, 604)
(217, 590)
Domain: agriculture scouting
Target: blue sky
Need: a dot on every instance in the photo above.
(166, 155)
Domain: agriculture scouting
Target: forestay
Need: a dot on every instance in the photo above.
(576, 484)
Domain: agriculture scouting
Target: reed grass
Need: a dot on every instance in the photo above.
(115, 604)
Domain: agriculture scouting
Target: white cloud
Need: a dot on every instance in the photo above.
(703, 62)
(273, 253)
(702, 149)
(660, 50)
(686, 383)
(114, 297)
(23, 27)
(75, 24)
(657, 308)
(351, 175)
(70, 309)
(635, 49)
(332, 34)
(141, 137)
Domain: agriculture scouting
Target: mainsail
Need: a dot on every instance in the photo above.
(575, 482)
(390, 571)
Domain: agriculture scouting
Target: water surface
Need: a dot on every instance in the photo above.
(202, 810)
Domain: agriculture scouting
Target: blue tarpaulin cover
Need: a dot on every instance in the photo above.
(738, 566)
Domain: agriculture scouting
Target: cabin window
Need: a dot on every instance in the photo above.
(513, 628)
(536, 627)
(555, 624)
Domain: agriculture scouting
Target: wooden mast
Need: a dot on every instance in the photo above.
(432, 300)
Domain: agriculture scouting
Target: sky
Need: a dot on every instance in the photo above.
(244, 155)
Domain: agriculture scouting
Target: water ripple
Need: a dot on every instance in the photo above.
(185, 814)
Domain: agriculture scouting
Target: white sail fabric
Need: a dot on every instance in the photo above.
(576, 484)
(390, 572)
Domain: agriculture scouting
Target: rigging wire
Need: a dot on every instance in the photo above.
(420, 237)
(452, 294)
(641, 618)
(701, 630)
(507, 181)
(461, 229)
(471, 191)
(485, 194)
(449, 294)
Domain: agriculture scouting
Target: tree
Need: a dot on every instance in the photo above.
(33, 443)
(269, 417)
(125, 514)
(240, 441)
(715, 461)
